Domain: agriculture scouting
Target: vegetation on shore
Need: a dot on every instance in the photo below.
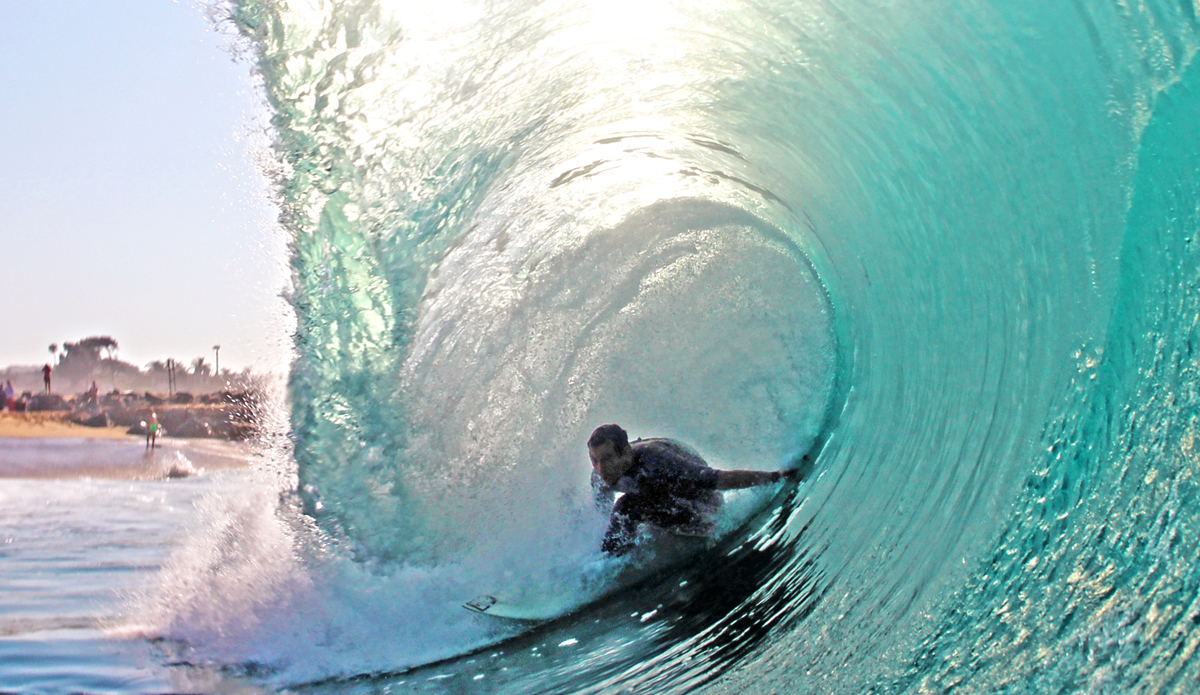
(76, 366)
(107, 392)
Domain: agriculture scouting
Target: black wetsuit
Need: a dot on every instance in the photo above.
(668, 485)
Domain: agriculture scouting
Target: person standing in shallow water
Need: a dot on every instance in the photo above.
(665, 484)
(151, 430)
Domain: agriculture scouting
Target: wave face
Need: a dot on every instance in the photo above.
(951, 245)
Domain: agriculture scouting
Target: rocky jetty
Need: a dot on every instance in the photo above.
(223, 415)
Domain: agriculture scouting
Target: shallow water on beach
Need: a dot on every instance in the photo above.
(78, 549)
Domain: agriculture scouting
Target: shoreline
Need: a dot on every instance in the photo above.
(224, 415)
(53, 425)
(71, 457)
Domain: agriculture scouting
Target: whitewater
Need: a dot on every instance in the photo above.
(945, 251)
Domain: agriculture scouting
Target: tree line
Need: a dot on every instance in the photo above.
(76, 365)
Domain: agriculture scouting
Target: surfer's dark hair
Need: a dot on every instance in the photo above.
(609, 433)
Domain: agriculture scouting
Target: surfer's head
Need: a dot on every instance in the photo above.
(611, 455)
(609, 433)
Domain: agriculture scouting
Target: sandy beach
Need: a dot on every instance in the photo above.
(51, 425)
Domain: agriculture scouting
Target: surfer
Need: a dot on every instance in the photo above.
(664, 483)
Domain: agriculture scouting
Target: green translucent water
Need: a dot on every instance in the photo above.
(948, 244)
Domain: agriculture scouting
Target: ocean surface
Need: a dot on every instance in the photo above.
(946, 250)
(88, 529)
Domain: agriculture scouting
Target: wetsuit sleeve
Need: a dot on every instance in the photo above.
(682, 464)
(688, 477)
(706, 478)
(622, 527)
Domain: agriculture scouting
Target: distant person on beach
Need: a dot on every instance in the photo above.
(665, 484)
(90, 395)
(8, 397)
(46, 377)
(151, 430)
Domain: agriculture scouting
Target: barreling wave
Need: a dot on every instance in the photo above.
(946, 247)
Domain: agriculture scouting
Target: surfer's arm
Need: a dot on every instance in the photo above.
(736, 480)
(602, 494)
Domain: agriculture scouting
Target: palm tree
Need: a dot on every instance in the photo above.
(200, 367)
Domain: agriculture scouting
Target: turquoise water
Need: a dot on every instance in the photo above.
(949, 245)
(947, 248)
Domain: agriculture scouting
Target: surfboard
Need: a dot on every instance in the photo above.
(538, 611)
(534, 605)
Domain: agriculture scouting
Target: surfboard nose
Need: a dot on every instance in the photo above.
(480, 604)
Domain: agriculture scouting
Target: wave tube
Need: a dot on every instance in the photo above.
(949, 247)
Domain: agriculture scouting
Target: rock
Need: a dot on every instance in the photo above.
(98, 420)
(43, 401)
(225, 415)
(89, 420)
(127, 417)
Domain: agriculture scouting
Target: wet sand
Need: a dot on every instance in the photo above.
(52, 426)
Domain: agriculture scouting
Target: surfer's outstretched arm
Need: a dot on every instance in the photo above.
(735, 480)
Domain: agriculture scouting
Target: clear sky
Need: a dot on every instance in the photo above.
(130, 204)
